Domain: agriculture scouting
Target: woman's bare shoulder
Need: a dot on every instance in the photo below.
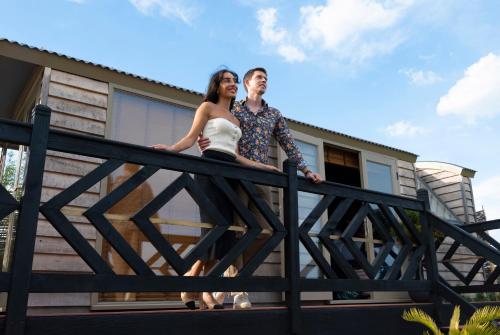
(207, 106)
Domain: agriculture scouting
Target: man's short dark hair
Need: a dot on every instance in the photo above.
(250, 73)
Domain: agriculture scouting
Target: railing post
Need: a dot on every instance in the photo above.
(430, 255)
(22, 262)
(292, 265)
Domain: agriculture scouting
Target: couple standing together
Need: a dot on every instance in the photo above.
(234, 131)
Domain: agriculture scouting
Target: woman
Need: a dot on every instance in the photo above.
(214, 119)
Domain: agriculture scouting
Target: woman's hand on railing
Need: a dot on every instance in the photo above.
(162, 147)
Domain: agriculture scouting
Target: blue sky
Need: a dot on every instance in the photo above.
(420, 75)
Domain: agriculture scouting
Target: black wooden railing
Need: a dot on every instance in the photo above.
(400, 243)
(482, 249)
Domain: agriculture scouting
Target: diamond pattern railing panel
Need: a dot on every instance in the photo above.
(464, 257)
(399, 246)
(53, 211)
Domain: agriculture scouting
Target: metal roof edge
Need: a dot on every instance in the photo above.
(465, 172)
(351, 137)
(98, 65)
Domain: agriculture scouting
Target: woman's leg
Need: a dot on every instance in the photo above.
(207, 298)
(189, 298)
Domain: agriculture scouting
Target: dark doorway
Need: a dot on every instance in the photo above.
(342, 166)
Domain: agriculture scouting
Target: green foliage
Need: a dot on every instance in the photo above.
(417, 315)
(9, 173)
(414, 217)
(487, 296)
(480, 323)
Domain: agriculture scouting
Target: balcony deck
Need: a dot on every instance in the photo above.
(352, 319)
(410, 246)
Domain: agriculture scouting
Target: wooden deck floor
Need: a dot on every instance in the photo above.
(373, 319)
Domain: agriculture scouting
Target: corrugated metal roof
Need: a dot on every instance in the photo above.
(100, 66)
(187, 90)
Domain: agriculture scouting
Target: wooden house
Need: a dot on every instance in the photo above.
(97, 100)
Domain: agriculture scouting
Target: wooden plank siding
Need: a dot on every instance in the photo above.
(454, 190)
(406, 176)
(78, 105)
(469, 198)
(449, 186)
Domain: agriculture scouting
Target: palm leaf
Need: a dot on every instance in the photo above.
(417, 315)
(484, 315)
(483, 329)
(455, 322)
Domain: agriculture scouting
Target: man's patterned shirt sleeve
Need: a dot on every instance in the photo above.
(285, 140)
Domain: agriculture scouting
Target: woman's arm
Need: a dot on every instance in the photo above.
(245, 161)
(200, 120)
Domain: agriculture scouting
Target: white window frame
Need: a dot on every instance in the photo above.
(380, 159)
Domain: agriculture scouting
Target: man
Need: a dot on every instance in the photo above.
(259, 123)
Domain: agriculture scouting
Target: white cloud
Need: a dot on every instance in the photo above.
(80, 2)
(403, 129)
(179, 9)
(355, 29)
(276, 37)
(421, 78)
(477, 94)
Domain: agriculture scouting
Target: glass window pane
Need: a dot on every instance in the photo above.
(379, 177)
(307, 201)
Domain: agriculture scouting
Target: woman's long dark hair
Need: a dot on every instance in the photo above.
(213, 86)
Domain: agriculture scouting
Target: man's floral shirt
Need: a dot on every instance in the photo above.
(258, 128)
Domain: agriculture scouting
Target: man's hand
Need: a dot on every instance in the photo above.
(268, 167)
(203, 143)
(314, 177)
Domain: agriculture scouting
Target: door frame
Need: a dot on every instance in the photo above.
(318, 142)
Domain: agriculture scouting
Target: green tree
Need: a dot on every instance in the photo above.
(9, 174)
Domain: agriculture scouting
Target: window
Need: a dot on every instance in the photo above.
(144, 121)
(379, 177)
(307, 201)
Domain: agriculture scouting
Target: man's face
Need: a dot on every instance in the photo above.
(258, 83)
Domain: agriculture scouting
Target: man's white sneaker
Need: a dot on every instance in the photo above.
(241, 301)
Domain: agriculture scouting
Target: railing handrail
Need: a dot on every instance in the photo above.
(111, 149)
(347, 191)
(15, 132)
(481, 226)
